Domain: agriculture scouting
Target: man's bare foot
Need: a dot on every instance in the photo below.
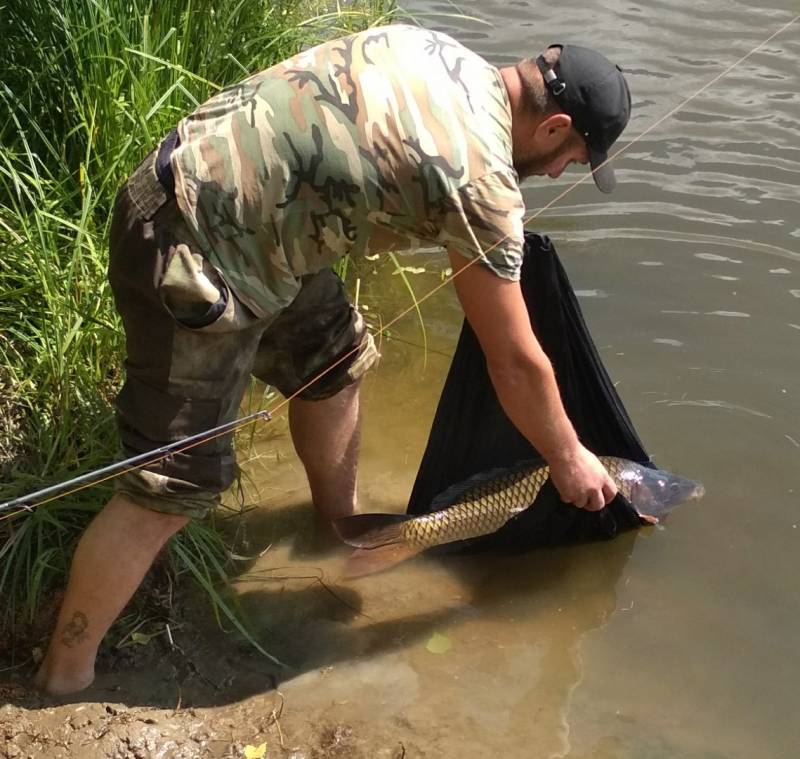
(62, 683)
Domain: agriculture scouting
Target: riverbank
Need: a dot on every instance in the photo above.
(87, 90)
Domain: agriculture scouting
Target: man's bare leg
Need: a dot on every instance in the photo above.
(110, 562)
(326, 435)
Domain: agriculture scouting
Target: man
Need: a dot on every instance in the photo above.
(221, 244)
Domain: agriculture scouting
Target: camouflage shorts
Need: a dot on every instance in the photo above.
(192, 347)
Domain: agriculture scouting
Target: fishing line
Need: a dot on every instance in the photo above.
(128, 465)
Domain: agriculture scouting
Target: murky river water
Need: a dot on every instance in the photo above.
(675, 642)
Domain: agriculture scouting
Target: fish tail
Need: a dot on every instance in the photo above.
(371, 530)
(367, 561)
(378, 539)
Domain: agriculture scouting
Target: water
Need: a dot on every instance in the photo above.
(675, 642)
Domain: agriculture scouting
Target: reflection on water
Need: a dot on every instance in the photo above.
(676, 642)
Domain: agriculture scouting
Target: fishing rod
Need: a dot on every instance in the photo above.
(93, 478)
(28, 502)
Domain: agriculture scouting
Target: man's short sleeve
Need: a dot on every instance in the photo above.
(484, 218)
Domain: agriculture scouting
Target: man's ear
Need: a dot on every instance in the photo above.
(553, 130)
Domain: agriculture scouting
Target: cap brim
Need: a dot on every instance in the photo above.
(604, 176)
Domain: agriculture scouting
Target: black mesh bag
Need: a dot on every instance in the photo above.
(472, 434)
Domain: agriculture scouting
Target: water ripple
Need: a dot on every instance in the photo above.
(716, 404)
(671, 235)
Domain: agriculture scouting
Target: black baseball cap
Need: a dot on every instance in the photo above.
(594, 93)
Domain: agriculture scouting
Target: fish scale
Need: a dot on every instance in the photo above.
(616, 469)
(485, 507)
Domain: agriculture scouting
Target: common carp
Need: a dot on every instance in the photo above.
(483, 503)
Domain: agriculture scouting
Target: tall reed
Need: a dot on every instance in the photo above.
(87, 88)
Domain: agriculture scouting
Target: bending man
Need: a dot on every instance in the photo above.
(221, 246)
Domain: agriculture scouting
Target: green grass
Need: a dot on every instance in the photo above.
(87, 88)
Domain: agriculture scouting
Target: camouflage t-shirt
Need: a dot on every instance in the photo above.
(390, 139)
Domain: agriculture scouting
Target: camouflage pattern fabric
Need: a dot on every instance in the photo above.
(390, 139)
(185, 374)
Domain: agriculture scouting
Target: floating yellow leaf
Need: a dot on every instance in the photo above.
(255, 752)
(438, 644)
(142, 638)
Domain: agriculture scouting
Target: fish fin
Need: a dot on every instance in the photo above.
(371, 530)
(454, 492)
(648, 518)
(367, 561)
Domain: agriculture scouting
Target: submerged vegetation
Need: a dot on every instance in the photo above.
(88, 87)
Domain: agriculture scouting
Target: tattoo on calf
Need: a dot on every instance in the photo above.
(75, 630)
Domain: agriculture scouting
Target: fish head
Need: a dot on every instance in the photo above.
(655, 491)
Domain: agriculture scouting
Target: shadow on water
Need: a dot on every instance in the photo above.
(525, 612)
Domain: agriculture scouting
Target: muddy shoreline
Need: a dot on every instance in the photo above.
(100, 729)
(364, 679)
(195, 692)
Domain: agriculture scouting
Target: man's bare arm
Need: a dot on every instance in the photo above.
(525, 383)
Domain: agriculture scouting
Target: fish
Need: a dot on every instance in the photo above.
(484, 503)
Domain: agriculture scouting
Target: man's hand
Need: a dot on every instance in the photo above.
(582, 480)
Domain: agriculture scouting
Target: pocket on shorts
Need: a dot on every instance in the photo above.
(190, 288)
(196, 294)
